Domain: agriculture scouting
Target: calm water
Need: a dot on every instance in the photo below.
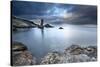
(40, 42)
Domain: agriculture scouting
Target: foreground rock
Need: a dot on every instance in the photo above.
(52, 58)
(17, 46)
(72, 54)
(78, 58)
(76, 53)
(21, 56)
(74, 50)
(90, 51)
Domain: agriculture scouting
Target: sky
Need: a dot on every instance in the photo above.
(66, 13)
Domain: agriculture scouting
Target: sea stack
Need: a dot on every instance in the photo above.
(41, 24)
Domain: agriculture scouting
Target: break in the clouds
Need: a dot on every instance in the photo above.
(67, 13)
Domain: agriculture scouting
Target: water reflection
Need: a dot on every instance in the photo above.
(42, 33)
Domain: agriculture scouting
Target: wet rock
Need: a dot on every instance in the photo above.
(21, 56)
(61, 28)
(48, 25)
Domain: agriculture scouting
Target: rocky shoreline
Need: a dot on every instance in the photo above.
(73, 54)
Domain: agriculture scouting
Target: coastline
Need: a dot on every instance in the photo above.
(72, 54)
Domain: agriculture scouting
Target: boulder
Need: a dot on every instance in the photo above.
(17, 46)
(91, 51)
(74, 50)
(21, 56)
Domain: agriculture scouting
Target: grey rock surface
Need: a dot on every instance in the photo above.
(72, 54)
(21, 56)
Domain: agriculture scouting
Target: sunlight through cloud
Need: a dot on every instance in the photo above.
(59, 12)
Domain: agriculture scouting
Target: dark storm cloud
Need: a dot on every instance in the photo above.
(85, 14)
(38, 8)
(22, 7)
(76, 14)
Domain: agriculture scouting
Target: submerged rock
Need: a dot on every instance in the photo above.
(21, 56)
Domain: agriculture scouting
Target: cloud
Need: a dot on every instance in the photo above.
(68, 13)
(84, 14)
(28, 8)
